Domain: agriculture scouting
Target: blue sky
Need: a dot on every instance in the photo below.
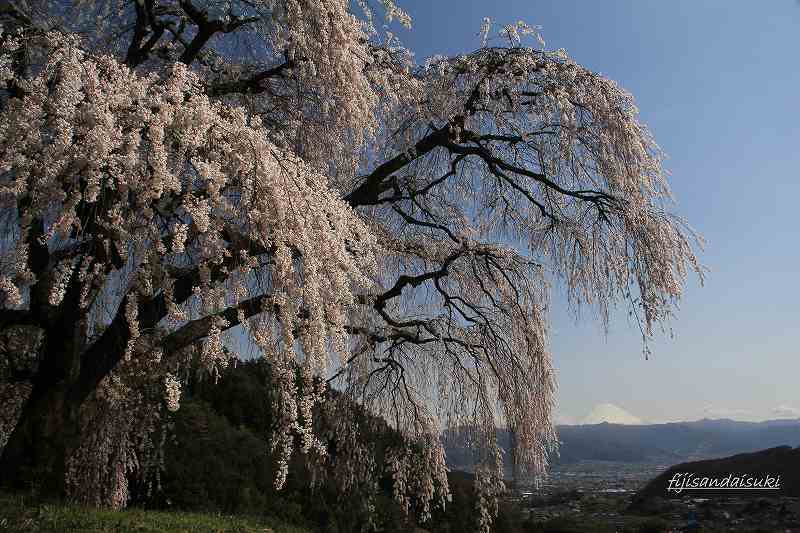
(718, 83)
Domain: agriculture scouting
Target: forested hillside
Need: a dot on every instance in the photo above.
(217, 458)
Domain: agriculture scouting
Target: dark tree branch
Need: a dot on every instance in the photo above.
(106, 352)
(197, 329)
(146, 22)
(253, 84)
(381, 179)
(416, 222)
(206, 29)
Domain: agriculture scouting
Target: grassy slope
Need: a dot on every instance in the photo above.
(22, 514)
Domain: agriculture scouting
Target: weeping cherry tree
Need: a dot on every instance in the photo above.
(281, 173)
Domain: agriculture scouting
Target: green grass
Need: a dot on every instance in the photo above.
(18, 514)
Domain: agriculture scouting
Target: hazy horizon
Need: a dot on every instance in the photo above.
(594, 417)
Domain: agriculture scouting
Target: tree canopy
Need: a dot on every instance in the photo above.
(180, 176)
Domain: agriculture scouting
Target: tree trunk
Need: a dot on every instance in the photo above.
(45, 435)
(47, 430)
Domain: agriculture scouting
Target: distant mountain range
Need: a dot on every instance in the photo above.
(653, 443)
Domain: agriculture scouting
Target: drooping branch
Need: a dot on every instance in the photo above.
(383, 178)
(603, 201)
